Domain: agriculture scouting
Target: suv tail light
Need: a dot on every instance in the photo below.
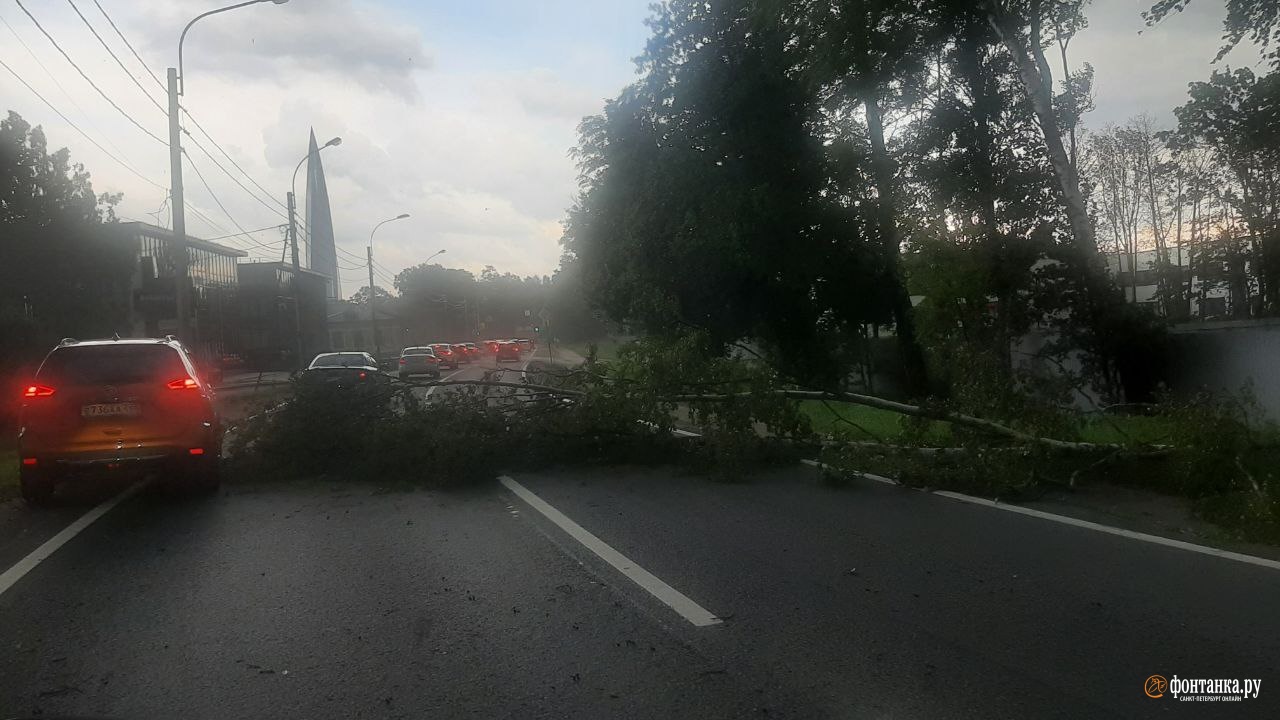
(32, 391)
(402, 361)
(185, 383)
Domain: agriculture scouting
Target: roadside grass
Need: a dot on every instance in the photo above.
(848, 421)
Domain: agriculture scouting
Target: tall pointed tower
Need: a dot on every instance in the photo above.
(322, 253)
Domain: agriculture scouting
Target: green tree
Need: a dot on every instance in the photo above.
(707, 200)
(1237, 115)
(62, 277)
(868, 55)
(985, 199)
(361, 296)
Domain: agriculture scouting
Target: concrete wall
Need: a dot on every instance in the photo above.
(1222, 356)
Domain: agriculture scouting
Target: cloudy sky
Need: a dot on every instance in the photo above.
(458, 113)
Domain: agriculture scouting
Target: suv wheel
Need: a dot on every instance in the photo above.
(37, 487)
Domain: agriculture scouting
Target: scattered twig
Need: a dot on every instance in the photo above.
(1249, 476)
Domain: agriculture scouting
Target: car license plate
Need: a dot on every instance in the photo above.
(124, 409)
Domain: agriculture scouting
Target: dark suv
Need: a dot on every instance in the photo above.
(110, 406)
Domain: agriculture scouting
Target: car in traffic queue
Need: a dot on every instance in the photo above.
(418, 361)
(507, 352)
(491, 346)
(473, 350)
(460, 351)
(107, 407)
(526, 345)
(448, 358)
(342, 370)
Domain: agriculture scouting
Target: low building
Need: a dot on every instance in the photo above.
(211, 287)
(349, 329)
(1136, 274)
(270, 332)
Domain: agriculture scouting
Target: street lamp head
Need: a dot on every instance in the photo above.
(442, 252)
(334, 141)
(402, 216)
(279, 2)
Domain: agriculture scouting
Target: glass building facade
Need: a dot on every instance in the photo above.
(211, 288)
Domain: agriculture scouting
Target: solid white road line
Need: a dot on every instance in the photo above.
(674, 599)
(1131, 534)
(1086, 524)
(50, 546)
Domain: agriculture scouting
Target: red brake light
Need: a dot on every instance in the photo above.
(362, 374)
(37, 391)
(29, 461)
(196, 451)
(183, 384)
(402, 362)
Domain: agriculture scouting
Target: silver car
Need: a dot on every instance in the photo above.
(419, 361)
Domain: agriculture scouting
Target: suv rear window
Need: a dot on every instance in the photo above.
(419, 351)
(112, 364)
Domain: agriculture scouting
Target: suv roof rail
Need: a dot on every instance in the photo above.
(67, 341)
(170, 338)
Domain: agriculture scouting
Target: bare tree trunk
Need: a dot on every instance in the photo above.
(1066, 73)
(911, 355)
(1192, 252)
(1037, 81)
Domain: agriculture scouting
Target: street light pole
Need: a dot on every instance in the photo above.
(373, 296)
(178, 208)
(179, 247)
(292, 199)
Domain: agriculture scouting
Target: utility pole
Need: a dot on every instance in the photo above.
(179, 246)
(297, 279)
(373, 311)
(177, 82)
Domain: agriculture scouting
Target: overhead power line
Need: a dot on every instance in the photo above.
(130, 46)
(78, 129)
(234, 179)
(87, 79)
(71, 99)
(282, 207)
(248, 232)
(113, 55)
(245, 241)
(217, 201)
(198, 213)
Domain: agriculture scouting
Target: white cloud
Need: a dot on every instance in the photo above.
(1147, 69)
(467, 133)
(471, 143)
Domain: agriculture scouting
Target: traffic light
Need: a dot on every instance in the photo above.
(537, 329)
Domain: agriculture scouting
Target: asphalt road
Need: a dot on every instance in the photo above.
(476, 370)
(331, 602)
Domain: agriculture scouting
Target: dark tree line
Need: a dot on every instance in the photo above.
(60, 278)
(800, 175)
